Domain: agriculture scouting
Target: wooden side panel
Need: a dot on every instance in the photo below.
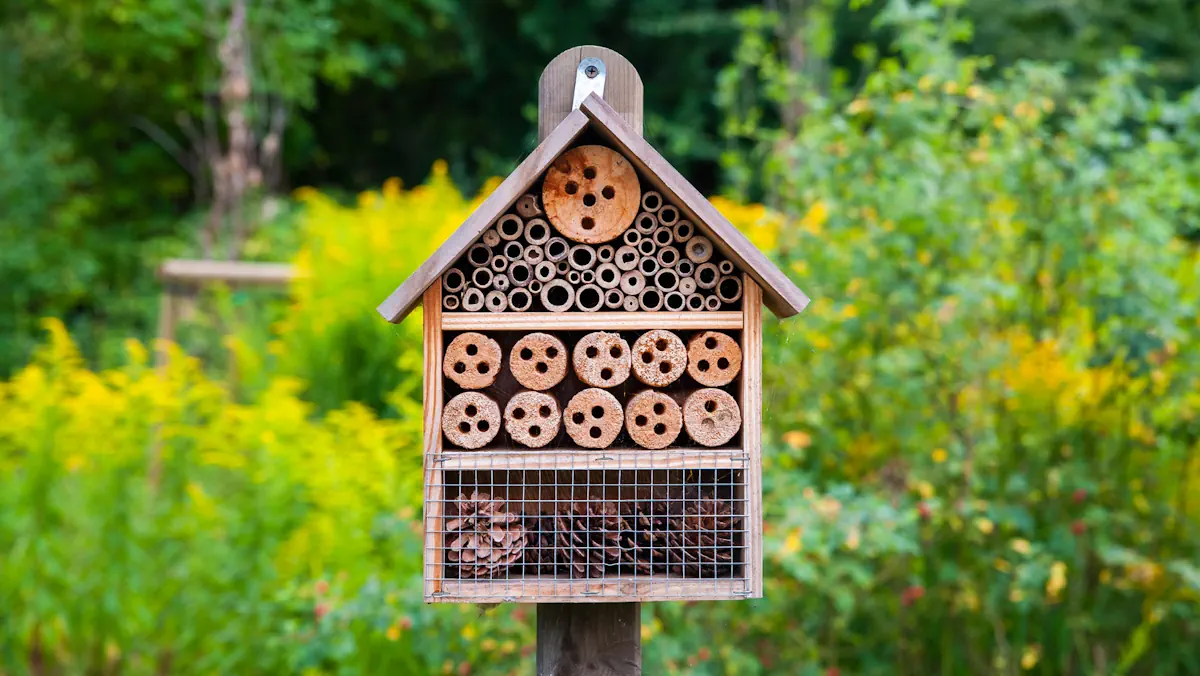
(782, 296)
(432, 343)
(752, 424)
(556, 87)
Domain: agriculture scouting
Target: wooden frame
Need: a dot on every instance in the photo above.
(432, 344)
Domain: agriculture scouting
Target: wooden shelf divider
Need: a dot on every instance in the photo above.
(678, 458)
(619, 588)
(589, 321)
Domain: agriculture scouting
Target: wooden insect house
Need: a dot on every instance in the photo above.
(593, 362)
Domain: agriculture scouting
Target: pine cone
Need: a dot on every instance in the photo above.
(541, 548)
(701, 541)
(483, 539)
(589, 537)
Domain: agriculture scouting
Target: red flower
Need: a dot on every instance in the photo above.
(912, 595)
(1079, 495)
(924, 510)
(320, 611)
(704, 654)
(833, 671)
(1078, 527)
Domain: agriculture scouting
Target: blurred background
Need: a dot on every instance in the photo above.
(982, 436)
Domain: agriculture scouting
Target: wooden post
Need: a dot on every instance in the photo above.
(589, 639)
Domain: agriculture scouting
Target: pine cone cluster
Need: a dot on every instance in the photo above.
(690, 537)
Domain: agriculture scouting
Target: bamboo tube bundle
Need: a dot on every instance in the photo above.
(645, 223)
(500, 282)
(499, 265)
(534, 254)
(510, 227)
(647, 248)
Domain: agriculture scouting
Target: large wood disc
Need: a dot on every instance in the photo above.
(591, 194)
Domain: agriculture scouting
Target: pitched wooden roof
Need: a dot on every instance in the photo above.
(779, 293)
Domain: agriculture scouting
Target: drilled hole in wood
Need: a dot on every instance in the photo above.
(591, 352)
(483, 425)
(472, 349)
(702, 365)
(665, 367)
(589, 200)
(464, 427)
(552, 352)
(589, 173)
(587, 223)
(460, 367)
(542, 367)
(595, 433)
(535, 431)
(606, 373)
(710, 406)
(544, 411)
(647, 357)
(660, 344)
(659, 409)
(722, 363)
(608, 192)
(470, 410)
(483, 367)
(597, 411)
(518, 413)
(615, 351)
(526, 354)
(660, 428)
(710, 343)
(640, 421)
(571, 187)
(578, 418)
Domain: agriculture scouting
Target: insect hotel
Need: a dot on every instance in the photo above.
(593, 374)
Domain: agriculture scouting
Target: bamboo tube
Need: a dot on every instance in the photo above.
(583, 257)
(491, 238)
(544, 271)
(587, 277)
(699, 249)
(519, 299)
(514, 250)
(631, 237)
(605, 253)
(510, 227)
(561, 268)
(482, 278)
(573, 276)
(534, 254)
(650, 299)
(537, 231)
(535, 287)
(668, 257)
(651, 201)
(501, 282)
(706, 276)
(479, 255)
(496, 301)
(725, 267)
(454, 281)
(667, 215)
(685, 267)
(528, 207)
(472, 300)
(632, 283)
(682, 232)
(666, 280)
(630, 304)
(520, 273)
(662, 236)
(450, 302)
(648, 266)
(674, 302)
(647, 247)
(712, 303)
(589, 298)
(608, 276)
(557, 249)
(694, 302)
(687, 286)
(498, 264)
(557, 296)
(729, 289)
(645, 223)
(627, 258)
(614, 299)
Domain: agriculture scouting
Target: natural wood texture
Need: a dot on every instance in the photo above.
(405, 298)
(752, 426)
(620, 589)
(590, 321)
(560, 459)
(591, 194)
(581, 641)
(622, 87)
(432, 423)
(181, 271)
(781, 294)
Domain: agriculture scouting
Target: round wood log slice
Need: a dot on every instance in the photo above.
(714, 359)
(472, 361)
(471, 420)
(532, 418)
(653, 419)
(538, 361)
(659, 358)
(601, 359)
(593, 418)
(591, 194)
(712, 417)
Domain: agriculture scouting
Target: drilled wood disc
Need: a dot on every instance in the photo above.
(591, 194)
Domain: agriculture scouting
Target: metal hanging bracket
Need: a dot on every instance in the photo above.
(589, 78)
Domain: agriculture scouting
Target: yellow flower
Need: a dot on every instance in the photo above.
(393, 633)
(1057, 581)
(1021, 546)
(1016, 595)
(925, 489)
(854, 538)
(924, 257)
(469, 633)
(792, 543)
(950, 87)
(488, 645)
(999, 122)
(1030, 657)
(858, 106)
(814, 220)
(849, 312)
(926, 83)
(985, 525)
(974, 92)
(1024, 110)
(828, 508)
(391, 188)
(797, 439)
(939, 455)
(904, 97)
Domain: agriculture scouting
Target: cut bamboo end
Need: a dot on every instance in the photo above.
(544, 271)
(714, 358)
(450, 302)
(645, 223)
(538, 361)
(674, 302)
(471, 420)
(668, 257)
(626, 258)
(472, 361)
(481, 278)
(605, 253)
(557, 296)
(520, 273)
(631, 237)
(510, 227)
(582, 257)
(651, 201)
(632, 283)
(668, 215)
(694, 302)
(479, 255)
(528, 207)
(601, 359)
(500, 283)
(472, 300)
(699, 249)
(707, 276)
(650, 299)
(685, 267)
(593, 418)
(537, 232)
(589, 297)
(498, 264)
(687, 286)
(683, 231)
(712, 417)
(557, 249)
(454, 281)
(653, 419)
(659, 358)
(614, 299)
(608, 276)
(532, 419)
(712, 303)
(729, 289)
(496, 300)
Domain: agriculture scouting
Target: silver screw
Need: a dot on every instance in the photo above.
(591, 71)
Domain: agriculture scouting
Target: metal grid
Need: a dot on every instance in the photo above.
(605, 525)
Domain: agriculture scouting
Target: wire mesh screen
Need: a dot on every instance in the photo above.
(522, 533)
